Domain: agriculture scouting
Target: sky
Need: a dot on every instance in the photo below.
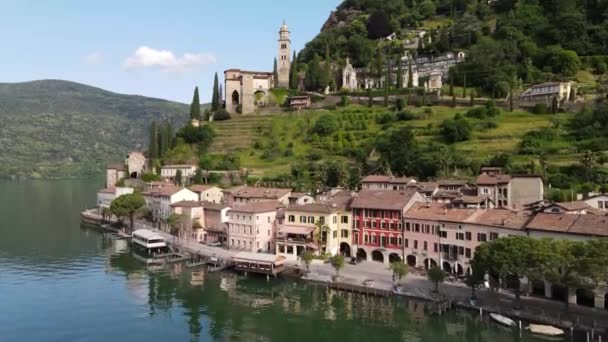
(153, 48)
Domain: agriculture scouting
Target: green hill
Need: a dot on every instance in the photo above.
(54, 128)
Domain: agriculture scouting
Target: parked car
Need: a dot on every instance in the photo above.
(214, 244)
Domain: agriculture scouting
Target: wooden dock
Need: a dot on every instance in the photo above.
(370, 291)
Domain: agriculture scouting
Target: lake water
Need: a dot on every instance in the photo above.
(63, 282)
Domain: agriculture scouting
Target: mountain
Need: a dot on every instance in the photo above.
(54, 128)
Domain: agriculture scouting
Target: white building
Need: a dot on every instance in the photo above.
(251, 227)
(159, 201)
(208, 193)
(169, 172)
(136, 164)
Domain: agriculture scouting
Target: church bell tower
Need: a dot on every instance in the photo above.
(284, 56)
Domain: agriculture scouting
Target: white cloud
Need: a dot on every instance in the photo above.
(93, 58)
(165, 60)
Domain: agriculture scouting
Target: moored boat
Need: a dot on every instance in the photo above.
(545, 330)
(503, 320)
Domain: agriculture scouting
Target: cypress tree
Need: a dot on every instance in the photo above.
(221, 94)
(293, 72)
(163, 141)
(153, 147)
(386, 83)
(215, 97)
(399, 74)
(327, 69)
(464, 86)
(275, 73)
(451, 92)
(195, 107)
(472, 102)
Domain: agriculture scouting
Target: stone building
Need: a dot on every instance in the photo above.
(349, 77)
(545, 92)
(136, 164)
(247, 90)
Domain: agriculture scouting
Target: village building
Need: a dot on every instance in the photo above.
(378, 223)
(319, 227)
(208, 193)
(114, 174)
(248, 194)
(192, 216)
(251, 227)
(107, 195)
(159, 202)
(300, 198)
(598, 201)
(215, 222)
(545, 92)
(169, 172)
(136, 164)
(510, 191)
(381, 182)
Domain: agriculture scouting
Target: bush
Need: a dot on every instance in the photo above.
(539, 108)
(400, 104)
(385, 118)
(455, 130)
(221, 115)
(344, 101)
(325, 125)
(405, 115)
(488, 124)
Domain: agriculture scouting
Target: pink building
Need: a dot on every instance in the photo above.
(251, 227)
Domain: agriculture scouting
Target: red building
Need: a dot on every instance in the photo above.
(378, 223)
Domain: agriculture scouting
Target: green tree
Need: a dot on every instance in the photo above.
(398, 149)
(177, 223)
(554, 105)
(275, 74)
(325, 125)
(410, 77)
(455, 130)
(195, 106)
(587, 162)
(436, 275)
(399, 74)
(293, 72)
(215, 96)
(400, 270)
(354, 177)
(307, 257)
(178, 178)
(379, 25)
(128, 206)
(337, 262)
(153, 145)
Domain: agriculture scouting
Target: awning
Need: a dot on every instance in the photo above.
(296, 230)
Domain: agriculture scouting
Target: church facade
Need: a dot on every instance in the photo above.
(246, 90)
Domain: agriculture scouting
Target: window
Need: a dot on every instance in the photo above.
(407, 243)
(281, 248)
(485, 191)
(335, 219)
(493, 236)
(366, 238)
(425, 246)
(435, 247)
(460, 250)
(443, 234)
(373, 238)
(344, 219)
(302, 219)
(321, 220)
(400, 241)
(357, 224)
(335, 234)
(393, 226)
(407, 226)
(374, 224)
(393, 241)
(344, 233)
(459, 236)
(467, 252)
(383, 225)
(415, 244)
(311, 219)
(481, 237)
(468, 236)
(417, 228)
(600, 204)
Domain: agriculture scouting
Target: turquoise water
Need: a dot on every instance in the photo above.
(63, 282)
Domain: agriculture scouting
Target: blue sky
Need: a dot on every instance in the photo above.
(153, 48)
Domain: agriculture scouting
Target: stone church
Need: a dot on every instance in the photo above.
(247, 90)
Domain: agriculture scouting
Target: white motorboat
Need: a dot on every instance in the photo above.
(503, 320)
(545, 330)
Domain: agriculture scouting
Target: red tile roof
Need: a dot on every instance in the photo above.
(581, 224)
(438, 212)
(259, 192)
(187, 204)
(388, 200)
(485, 179)
(258, 207)
(201, 187)
(387, 179)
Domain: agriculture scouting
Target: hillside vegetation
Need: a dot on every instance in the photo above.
(55, 128)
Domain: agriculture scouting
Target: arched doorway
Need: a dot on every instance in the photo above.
(447, 267)
(459, 269)
(345, 249)
(429, 263)
(377, 256)
(133, 175)
(559, 293)
(236, 98)
(394, 257)
(585, 297)
(361, 254)
(259, 98)
(411, 260)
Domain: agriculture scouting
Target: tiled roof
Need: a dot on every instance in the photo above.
(441, 182)
(187, 204)
(388, 200)
(485, 179)
(438, 212)
(322, 208)
(201, 187)
(213, 206)
(470, 199)
(500, 218)
(426, 186)
(258, 207)
(583, 224)
(387, 179)
(168, 190)
(255, 192)
(572, 206)
(446, 194)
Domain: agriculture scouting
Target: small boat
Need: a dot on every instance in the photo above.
(545, 330)
(503, 320)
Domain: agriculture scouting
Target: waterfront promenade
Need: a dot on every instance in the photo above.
(378, 276)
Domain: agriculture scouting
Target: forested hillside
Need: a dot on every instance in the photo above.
(508, 42)
(55, 128)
